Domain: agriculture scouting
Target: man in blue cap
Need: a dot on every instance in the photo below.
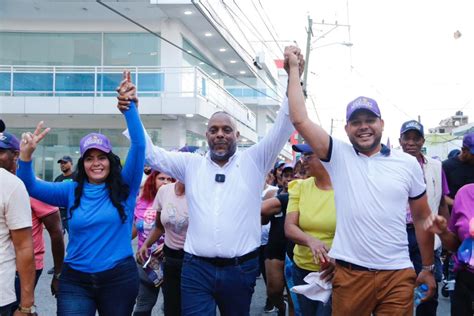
(412, 139)
(372, 184)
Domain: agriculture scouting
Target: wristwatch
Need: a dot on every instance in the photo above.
(430, 268)
(56, 276)
(27, 310)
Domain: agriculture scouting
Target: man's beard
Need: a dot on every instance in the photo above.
(224, 156)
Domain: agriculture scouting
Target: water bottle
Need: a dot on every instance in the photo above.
(420, 293)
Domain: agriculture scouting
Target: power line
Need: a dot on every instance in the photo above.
(185, 51)
(266, 26)
(227, 31)
(255, 31)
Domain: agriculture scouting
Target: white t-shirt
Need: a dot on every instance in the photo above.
(15, 213)
(371, 195)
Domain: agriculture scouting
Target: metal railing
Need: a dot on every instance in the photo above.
(100, 81)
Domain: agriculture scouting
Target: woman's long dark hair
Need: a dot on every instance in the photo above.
(118, 190)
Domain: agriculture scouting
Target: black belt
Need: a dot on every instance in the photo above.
(352, 266)
(177, 254)
(223, 262)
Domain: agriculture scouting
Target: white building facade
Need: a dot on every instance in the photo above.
(61, 61)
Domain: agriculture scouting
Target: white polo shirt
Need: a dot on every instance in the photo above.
(371, 195)
(224, 217)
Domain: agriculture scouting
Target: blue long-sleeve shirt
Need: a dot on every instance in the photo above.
(97, 237)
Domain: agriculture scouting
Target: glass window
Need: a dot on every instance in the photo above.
(131, 49)
(61, 49)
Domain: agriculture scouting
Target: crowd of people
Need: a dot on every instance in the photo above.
(360, 222)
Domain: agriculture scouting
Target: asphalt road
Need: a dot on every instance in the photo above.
(46, 303)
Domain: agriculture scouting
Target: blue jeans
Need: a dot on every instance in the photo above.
(111, 292)
(307, 306)
(290, 282)
(426, 308)
(204, 285)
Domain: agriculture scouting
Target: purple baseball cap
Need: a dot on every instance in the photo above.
(362, 103)
(95, 140)
(9, 141)
(468, 142)
(287, 166)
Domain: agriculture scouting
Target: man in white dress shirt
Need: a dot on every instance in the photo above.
(223, 190)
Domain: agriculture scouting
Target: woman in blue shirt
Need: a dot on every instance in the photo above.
(99, 271)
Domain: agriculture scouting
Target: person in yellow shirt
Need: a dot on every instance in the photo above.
(311, 224)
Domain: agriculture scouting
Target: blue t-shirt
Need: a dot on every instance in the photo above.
(98, 239)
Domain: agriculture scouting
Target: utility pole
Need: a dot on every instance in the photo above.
(309, 32)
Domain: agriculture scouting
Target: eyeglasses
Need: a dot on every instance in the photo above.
(165, 179)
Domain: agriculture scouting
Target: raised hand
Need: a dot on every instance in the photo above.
(436, 224)
(29, 141)
(292, 58)
(126, 92)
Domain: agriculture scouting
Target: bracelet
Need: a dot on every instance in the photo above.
(56, 276)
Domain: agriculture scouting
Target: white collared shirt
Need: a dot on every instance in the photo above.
(224, 217)
(371, 194)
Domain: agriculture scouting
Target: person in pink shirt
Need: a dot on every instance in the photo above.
(143, 224)
(172, 221)
(458, 237)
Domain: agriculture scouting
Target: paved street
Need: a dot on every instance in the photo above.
(47, 304)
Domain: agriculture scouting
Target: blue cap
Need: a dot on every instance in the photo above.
(303, 148)
(278, 164)
(412, 126)
(9, 141)
(188, 149)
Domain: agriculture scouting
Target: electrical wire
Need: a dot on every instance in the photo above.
(266, 26)
(253, 29)
(256, 73)
(185, 51)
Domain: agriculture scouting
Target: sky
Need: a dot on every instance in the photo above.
(403, 54)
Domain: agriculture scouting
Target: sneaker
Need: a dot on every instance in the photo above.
(51, 271)
(269, 308)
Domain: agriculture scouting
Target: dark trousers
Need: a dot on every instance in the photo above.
(111, 292)
(7, 310)
(307, 306)
(463, 295)
(172, 285)
(426, 308)
(205, 285)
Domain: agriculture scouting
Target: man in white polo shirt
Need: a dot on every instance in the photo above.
(372, 185)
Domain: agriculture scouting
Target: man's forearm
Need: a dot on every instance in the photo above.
(25, 265)
(57, 248)
(425, 241)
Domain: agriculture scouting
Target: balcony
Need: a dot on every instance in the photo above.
(172, 91)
